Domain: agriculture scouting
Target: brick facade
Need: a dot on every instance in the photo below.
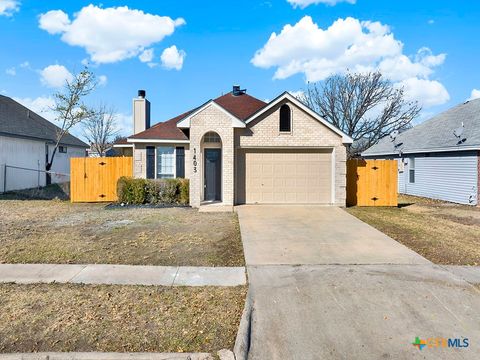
(305, 132)
(211, 119)
(263, 132)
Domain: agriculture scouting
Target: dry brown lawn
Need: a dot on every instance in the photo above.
(54, 317)
(442, 232)
(55, 231)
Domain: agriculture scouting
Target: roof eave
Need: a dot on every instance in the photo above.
(286, 95)
(430, 150)
(185, 122)
(146, 140)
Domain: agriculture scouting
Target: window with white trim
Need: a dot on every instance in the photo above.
(165, 162)
(411, 170)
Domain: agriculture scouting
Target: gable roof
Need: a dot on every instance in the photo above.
(166, 130)
(286, 95)
(436, 134)
(18, 121)
(240, 107)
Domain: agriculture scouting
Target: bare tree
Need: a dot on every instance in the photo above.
(69, 107)
(365, 106)
(100, 129)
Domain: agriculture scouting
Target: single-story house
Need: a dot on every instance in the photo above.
(439, 158)
(26, 140)
(237, 149)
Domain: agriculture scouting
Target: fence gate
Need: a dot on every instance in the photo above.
(95, 179)
(372, 182)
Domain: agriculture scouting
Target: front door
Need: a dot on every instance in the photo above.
(213, 174)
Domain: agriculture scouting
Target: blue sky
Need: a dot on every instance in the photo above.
(430, 47)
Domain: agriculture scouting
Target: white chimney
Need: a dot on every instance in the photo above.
(141, 113)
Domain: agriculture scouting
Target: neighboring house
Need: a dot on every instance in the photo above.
(26, 140)
(440, 158)
(237, 149)
(92, 152)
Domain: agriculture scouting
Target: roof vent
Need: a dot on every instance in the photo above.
(142, 94)
(237, 91)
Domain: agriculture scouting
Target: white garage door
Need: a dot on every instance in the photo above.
(288, 176)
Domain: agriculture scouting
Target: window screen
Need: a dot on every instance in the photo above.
(165, 162)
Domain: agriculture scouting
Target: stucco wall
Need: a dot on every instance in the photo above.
(306, 132)
(211, 119)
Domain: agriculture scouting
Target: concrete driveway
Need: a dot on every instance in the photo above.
(324, 285)
(277, 235)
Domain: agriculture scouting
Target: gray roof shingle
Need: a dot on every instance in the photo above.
(17, 120)
(437, 133)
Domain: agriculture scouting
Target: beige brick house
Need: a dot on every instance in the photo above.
(237, 149)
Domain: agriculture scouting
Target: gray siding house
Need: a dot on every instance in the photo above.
(26, 140)
(439, 158)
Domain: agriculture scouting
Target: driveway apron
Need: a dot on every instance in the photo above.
(325, 285)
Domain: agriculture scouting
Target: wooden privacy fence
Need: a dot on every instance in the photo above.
(95, 179)
(372, 183)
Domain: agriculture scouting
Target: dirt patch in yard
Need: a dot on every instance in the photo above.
(37, 318)
(37, 231)
(442, 232)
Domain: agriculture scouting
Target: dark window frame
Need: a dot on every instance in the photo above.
(62, 149)
(285, 121)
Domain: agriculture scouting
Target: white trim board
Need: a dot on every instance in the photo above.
(345, 138)
(420, 151)
(186, 122)
(123, 145)
(159, 141)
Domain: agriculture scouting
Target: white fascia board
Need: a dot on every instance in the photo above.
(159, 141)
(345, 138)
(431, 150)
(122, 145)
(186, 122)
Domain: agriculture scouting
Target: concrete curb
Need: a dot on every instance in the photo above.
(105, 356)
(242, 341)
(122, 274)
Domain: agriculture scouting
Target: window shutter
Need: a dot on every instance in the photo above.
(180, 162)
(150, 162)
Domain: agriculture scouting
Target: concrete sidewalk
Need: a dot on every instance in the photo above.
(122, 275)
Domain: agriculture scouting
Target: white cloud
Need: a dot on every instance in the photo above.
(146, 56)
(124, 124)
(25, 65)
(55, 76)
(475, 94)
(431, 22)
(349, 44)
(102, 80)
(11, 71)
(172, 58)
(299, 94)
(54, 22)
(304, 3)
(8, 7)
(111, 34)
(428, 92)
(41, 105)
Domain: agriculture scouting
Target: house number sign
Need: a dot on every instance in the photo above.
(195, 160)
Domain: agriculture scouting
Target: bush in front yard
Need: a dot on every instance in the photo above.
(158, 191)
